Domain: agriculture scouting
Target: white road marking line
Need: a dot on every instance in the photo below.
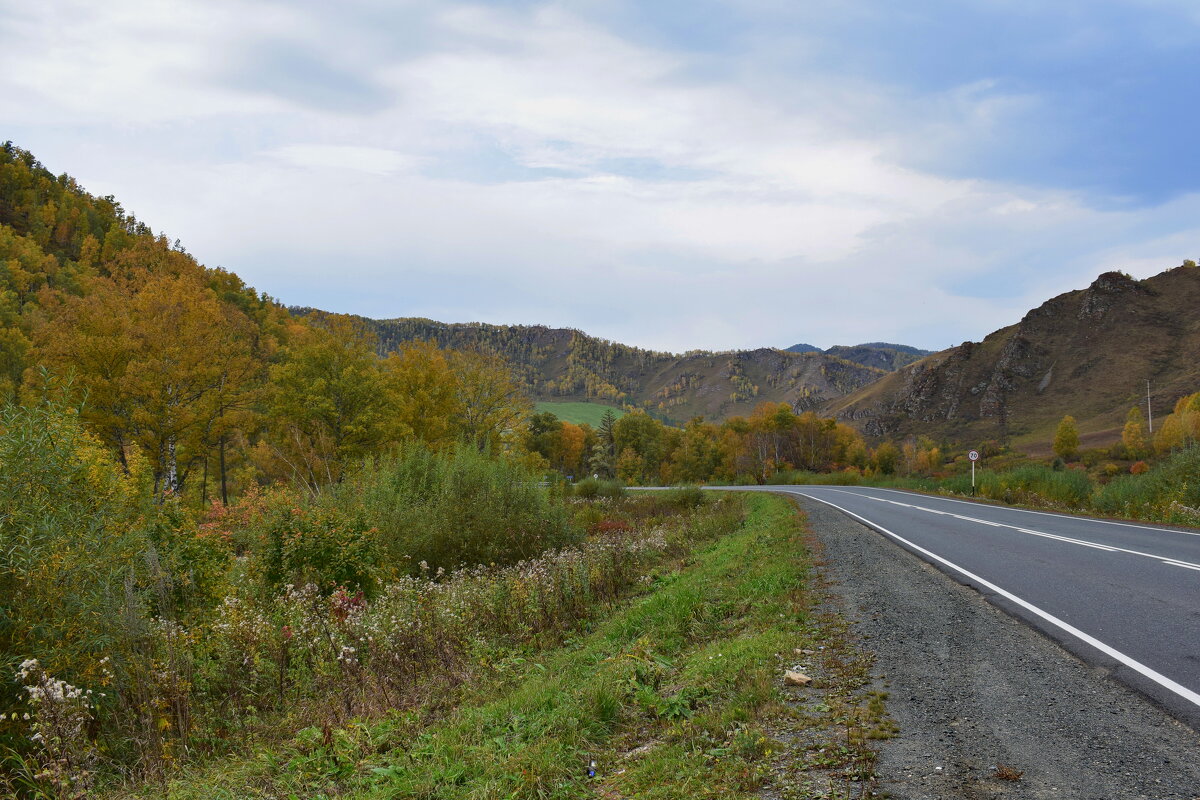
(1183, 564)
(1028, 511)
(1045, 535)
(1162, 680)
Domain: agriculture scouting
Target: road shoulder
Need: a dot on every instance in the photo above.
(974, 690)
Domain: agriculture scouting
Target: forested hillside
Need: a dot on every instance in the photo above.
(214, 386)
(565, 364)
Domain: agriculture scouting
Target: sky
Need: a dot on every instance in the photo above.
(674, 175)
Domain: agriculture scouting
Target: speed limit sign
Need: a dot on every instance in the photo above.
(973, 455)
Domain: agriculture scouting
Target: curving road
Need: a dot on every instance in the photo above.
(1122, 596)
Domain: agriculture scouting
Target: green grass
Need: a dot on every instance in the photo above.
(578, 413)
(673, 694)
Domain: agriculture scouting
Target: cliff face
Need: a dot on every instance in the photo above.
(1087, 353)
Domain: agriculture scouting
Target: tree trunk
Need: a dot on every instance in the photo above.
(224, 488)
(171, 481)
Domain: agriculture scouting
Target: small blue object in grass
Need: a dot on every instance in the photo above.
(592, 769)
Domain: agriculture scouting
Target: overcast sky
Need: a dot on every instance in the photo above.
(674, 175)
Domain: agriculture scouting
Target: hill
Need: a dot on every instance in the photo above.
(57, 241)
(1087, 353)
(566, 364)
(880, 355)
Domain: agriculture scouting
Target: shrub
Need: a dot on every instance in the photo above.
(1169, 491)
(452, 510)
(327, 547)
(72, 553)
(685, 497)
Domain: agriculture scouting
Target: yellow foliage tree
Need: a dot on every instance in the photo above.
(422, 394)
(491, 403)
(1134, 434)
(1066, 438)
(162, 363)
(327, 400)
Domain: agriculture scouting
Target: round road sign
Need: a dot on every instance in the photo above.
(973, 455)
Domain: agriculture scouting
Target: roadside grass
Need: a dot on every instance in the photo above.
(676, 693)
(577, 412)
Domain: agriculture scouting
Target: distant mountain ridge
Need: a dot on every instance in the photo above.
(880, 355)
(1087, 353)
(567, 364)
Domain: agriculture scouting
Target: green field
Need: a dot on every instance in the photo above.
(578, 412)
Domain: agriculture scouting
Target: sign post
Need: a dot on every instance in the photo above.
(974, 456)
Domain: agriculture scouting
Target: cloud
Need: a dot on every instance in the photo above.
(717, 186)
(343, 157)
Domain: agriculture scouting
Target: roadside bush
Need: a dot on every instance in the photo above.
(1168, 491)
(685, 497)
(451, 510)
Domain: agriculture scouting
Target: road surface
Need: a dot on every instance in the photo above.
(1122, 596)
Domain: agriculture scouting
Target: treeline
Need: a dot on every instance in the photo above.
(774, 440)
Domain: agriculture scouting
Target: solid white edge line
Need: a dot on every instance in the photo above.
(1011, 508)
(1137, 666)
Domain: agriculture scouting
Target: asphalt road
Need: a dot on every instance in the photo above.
(1123, 597)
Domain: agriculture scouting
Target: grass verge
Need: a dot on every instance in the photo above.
(676, 693)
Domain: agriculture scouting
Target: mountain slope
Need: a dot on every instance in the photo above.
(565, 364)
(1087, 353)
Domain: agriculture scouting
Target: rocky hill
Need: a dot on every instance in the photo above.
(1087, 353)
(565, 364)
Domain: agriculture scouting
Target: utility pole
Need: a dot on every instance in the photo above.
(1149, 411)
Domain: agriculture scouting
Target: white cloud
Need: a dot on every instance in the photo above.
(531, 166)
(376, 160)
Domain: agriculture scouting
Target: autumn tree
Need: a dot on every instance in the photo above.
(491, 402)
(423, 396)
(1133, 437)
(1066, 438)
(162, 363)
(640, 442)
(571, 449)
(1181, 427)
(543, 435)
(327, 399)
(885, 457)
(698, 457)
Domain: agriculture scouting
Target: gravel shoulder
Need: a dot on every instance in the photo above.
(974, 689)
